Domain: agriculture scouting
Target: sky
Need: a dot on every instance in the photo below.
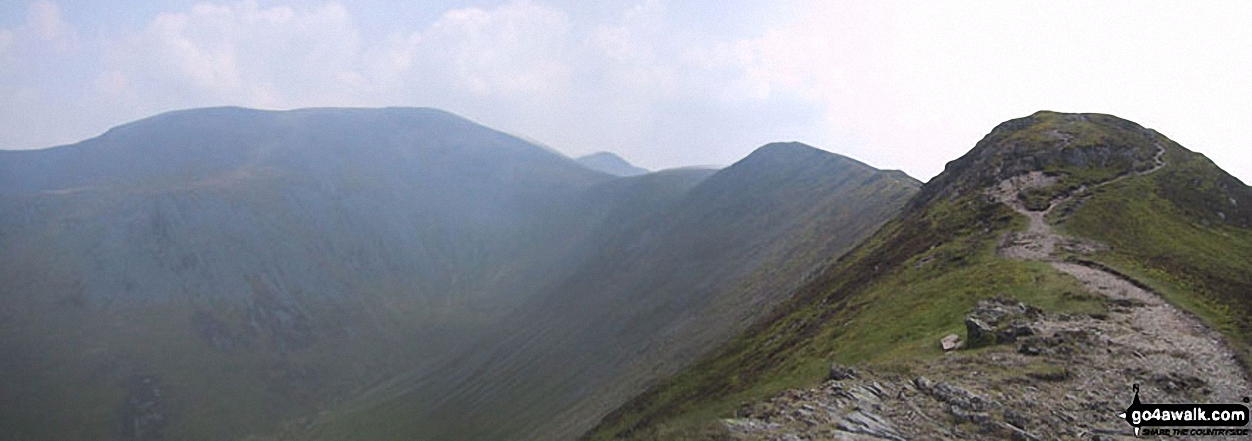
(898, 85)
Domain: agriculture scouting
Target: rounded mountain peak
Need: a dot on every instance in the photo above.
(1081, 148)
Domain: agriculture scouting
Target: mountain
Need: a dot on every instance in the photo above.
(610, 163)
(647, 296)
(1076, 254)
(251, 267)
(224, 273)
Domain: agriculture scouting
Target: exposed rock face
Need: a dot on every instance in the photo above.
(951, 342)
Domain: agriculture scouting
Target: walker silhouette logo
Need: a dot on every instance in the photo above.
(1141, 415)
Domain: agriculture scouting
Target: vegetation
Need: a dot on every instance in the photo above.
(743, 236)
(1183, 230)
(887, 303)
(383, 273)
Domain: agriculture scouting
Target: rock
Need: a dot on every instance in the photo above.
(840, 372)
(866, 423)
(1018, 434)
(978, 332)
(998, 321)
(951, 342)
(950, 394)
(1127, 303)
(1029, 348)
(963, 416)
(1174, 382)
(1052, 373)
(1017, 419)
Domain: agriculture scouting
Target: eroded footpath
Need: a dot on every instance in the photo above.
(1066, 376)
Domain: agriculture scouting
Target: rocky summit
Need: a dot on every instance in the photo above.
(1021, 295)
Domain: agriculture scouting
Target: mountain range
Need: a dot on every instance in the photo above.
(227, 273)
(1113, 255)
(406, 273)
(610, 163)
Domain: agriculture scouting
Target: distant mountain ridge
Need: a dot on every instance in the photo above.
(648, 295)
(1120, 205)
(610, 163)
(226, 272)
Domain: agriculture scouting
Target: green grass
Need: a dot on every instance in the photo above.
(888, 303)
(1183, 230)
(1163, 230)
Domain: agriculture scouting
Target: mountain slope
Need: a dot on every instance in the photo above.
(252, 266)
(228, 273)
(610, 163)
(886, 304)
(648, 297)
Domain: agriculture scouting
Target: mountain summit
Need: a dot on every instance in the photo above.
(382, 273)
(1064, 247)
(610, 163)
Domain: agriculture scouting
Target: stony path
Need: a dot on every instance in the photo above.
(1067, 380)
(1163, 340)
(1152, 326)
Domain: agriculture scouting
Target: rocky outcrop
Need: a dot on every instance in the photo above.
(998, 321)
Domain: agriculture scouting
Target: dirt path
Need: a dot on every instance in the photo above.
(1068, 379)
(1147, 326)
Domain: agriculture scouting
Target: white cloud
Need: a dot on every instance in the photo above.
(896, 84)
(236, 54)
(516, 48)
(44, 20)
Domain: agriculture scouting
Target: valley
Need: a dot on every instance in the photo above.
(398, 273)
(339, 273)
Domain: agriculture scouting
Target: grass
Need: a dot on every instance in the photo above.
(888, 303)
(1163, 230)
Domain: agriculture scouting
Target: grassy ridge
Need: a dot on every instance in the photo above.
(1165, 230)
(886, 303)
(1183, 229)
(652, 295)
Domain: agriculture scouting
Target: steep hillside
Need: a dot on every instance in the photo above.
(648, 297)
(610, 163)
(222, 270)
(983, 229)
(225, 273)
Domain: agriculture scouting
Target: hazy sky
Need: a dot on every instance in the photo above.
(908, 85)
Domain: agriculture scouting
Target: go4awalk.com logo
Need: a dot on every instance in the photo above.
(1187, 419)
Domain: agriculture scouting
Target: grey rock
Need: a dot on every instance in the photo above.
(950, 394)
(1018, 434)
(978, 332)
(870, 424)
(951, 342)
(998, 321)
(840, 372)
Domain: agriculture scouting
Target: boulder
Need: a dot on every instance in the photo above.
(951, 342)
(839, 372)
(998, 321)
(978, 332)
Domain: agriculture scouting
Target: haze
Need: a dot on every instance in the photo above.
(898, 85)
